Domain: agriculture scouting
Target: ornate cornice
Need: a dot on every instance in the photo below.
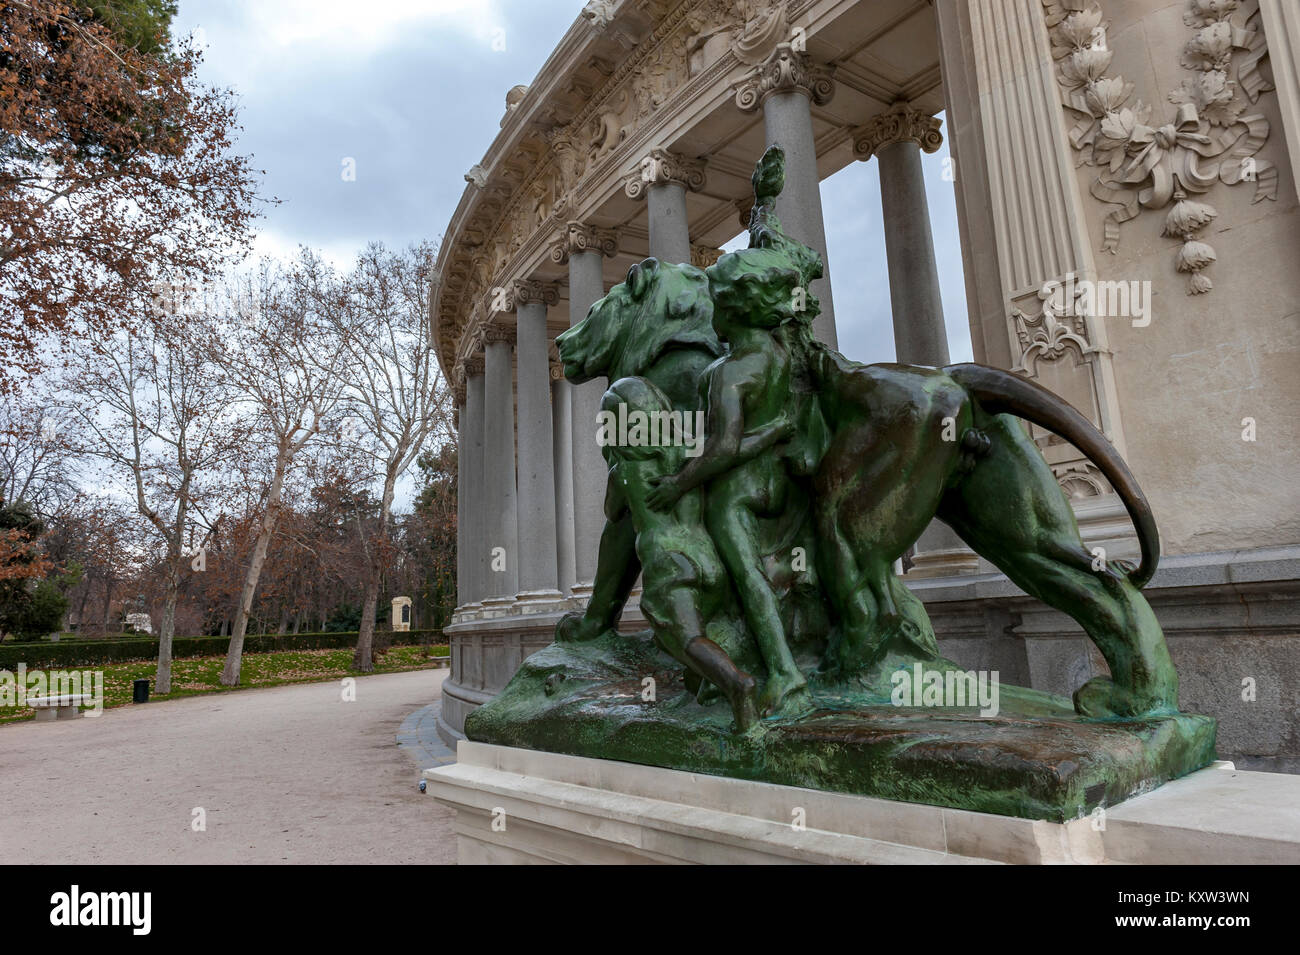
(541, 169)
(532, 292)
(600, 13)
(660, 167)
(787, 69)
(702, 256)
(578, 237)
(765, 29)
(899, 124)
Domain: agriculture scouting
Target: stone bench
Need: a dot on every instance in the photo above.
(65, 707)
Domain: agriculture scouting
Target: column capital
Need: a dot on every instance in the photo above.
(787, 69)
(898, 124)
(660, 166)
(473, 366)
(493, 334)
(702, 256)
(557, 371)
(578, 237)
(533, 292)
(458, 390)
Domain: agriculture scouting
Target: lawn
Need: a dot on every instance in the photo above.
(196, 675)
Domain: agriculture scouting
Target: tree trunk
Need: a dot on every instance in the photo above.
(85, 599)
(234, 652)
(108, 602)
(163, 678)
(363, 659)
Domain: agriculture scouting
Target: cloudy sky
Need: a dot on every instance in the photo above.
(413, 92)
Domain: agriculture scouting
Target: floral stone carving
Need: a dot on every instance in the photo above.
(1208, 138)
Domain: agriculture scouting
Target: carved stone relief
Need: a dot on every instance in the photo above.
(1207, 138)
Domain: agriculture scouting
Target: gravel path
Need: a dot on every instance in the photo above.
(285, 774)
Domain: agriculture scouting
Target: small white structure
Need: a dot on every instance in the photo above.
(140, 621)
(401, 613)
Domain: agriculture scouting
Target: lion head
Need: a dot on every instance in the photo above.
(658, 307)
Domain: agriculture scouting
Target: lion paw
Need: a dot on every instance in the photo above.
(1103, 698)
(574, 627)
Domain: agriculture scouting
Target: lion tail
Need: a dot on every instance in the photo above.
(1002, 392)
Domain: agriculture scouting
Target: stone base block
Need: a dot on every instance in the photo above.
(1030, 755)
(523, 806)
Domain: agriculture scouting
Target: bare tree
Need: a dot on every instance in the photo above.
(155, 410)
(395, 386)
(286, 361)
(34, 459)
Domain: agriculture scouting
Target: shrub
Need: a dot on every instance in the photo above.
(41, 614)
(75, 653)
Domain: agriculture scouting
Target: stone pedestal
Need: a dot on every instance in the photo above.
(522, 806)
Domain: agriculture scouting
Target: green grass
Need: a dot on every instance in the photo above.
(193, 676)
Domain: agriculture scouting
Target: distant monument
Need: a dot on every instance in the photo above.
(401, 613)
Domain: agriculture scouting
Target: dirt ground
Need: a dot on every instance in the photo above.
(286, 774)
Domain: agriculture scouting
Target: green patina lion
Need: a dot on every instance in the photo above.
(876, 452)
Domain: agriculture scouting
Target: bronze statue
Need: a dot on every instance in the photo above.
(768, 557)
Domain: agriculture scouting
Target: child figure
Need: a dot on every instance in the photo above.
(686, 595)
(763, 310)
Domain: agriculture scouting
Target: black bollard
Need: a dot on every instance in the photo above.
(140, 691)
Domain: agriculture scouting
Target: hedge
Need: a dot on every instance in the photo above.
(74, 653)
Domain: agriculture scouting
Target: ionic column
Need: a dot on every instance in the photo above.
(462, 488)
(896, 138)
(501, 539)
(583, 248)
(471, 500)
(537, 556)
(663, 179)
(785, 86)
(562, 455)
